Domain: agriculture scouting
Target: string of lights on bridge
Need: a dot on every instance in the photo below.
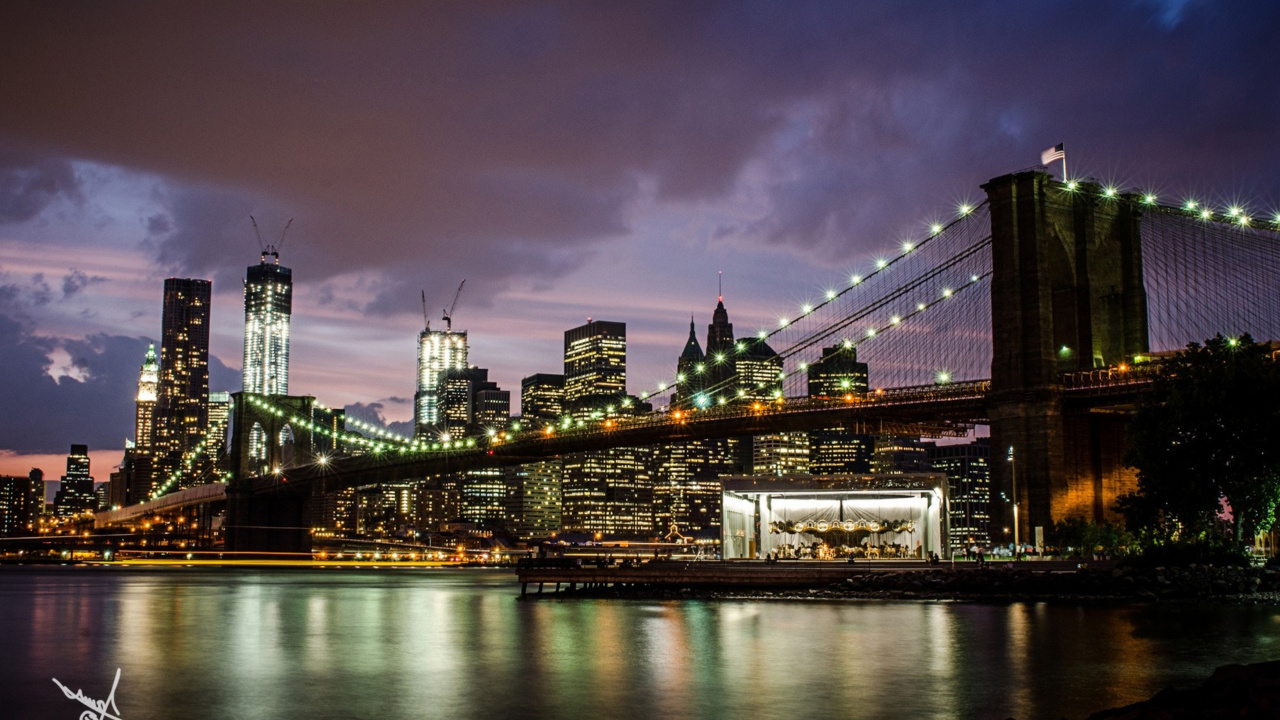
(1232, 214)
(882, 265)
(384, 440)
(381, 440)
(185, 465)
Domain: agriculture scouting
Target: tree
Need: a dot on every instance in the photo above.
(1208, 434)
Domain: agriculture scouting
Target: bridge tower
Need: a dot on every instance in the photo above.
(265, 444)
(1066, 296)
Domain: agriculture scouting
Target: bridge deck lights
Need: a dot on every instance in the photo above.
(935, 228)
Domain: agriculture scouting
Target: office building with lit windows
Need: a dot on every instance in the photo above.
(836, 451)
(438, 352)
(686, 484)
(471, 404)
(21, 504)
(968, 470)
(182, 397)
(609, 492)
(268, 305)
(75, 496)
(837, 374)
(542, 398)
(144, 414)
(780, 454)
(758, 369)
(595, 366)
(533, 503)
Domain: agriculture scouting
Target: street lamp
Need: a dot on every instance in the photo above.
(1013, 467)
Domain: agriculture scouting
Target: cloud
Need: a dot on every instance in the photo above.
(75, 281)
(93, 404)
(29, 183)
(372, 413)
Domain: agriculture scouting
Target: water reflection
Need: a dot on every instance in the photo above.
(456, 644)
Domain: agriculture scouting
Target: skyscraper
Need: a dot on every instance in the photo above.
(595, 365)
(837, 450)
(219, 417)
(690, 371)
(470, 403)
(21, 503)
(759, 371)
(838, 373)
(542, 397)
(608, 492)
(968, 469)
(533, 499)
(182, 402)
(722, 357)
(438, 351)
(144, 418)
(268, 304)
(75, 496)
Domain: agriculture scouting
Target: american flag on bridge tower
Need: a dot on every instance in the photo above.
(1054, 153)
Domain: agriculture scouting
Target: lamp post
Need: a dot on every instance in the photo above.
(1013, 467)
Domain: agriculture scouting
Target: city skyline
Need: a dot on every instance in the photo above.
(119, 212)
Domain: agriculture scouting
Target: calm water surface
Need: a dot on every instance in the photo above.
(197, 643)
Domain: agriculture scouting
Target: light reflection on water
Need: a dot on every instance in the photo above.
(200, 643)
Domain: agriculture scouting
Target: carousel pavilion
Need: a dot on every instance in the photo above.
(832, 517)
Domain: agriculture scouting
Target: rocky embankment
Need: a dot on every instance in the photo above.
(999, 583)
(1024, 582)
(1233, 691)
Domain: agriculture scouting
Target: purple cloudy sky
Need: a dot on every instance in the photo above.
(601, 159)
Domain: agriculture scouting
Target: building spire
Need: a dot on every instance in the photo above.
(720, 285)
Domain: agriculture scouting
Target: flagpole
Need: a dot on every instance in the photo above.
(1064, 166)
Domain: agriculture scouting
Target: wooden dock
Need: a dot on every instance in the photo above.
(567, 574)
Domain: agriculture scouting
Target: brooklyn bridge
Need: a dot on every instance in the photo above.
(1041, 313)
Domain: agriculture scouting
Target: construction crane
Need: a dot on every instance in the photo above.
(448, 313)
(425, 319)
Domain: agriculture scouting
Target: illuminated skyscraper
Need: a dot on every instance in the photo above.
(182, 398)
(268, 303)
(595, 365)
(219, 416)
(542, 398)
(838, 374)
(837, 450)
(438, 351)
(759, 371)
(144, 418)
(721, 360)
(75, 496)
(968, 469)
(533, 504)
(691, 370)
(780, 454)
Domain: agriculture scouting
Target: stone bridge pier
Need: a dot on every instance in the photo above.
(1067, 295)
(266, 444)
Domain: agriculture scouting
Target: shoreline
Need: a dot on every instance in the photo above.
(1118, 586)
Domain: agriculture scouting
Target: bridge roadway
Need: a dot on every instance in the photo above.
(936, 410)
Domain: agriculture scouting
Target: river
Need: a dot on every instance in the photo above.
(430, 643)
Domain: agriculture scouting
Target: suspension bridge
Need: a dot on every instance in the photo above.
(1040, 312)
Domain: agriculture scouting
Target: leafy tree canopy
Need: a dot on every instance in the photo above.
(1210, 433)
